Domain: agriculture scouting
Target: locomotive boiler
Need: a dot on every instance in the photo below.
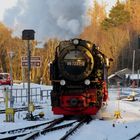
(79, 78)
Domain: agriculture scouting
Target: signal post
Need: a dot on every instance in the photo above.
(28, 35)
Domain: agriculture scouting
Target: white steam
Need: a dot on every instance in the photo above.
(62, 19)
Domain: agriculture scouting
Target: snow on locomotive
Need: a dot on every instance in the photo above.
(79, 78)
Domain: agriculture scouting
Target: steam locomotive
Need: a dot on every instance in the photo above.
(79, 78)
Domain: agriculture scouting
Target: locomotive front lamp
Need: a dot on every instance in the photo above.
(62, 82)
(75, 41)
(87, 82)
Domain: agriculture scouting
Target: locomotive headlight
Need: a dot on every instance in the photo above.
(75, 41)
(62, 82)
(87, 82)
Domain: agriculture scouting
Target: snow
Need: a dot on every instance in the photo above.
(125, 128)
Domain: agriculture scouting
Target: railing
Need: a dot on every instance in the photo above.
(21, 94)
(45, 94)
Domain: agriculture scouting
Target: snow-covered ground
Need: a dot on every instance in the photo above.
(125, 128)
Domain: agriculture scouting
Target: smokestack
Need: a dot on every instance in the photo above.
(61, 19)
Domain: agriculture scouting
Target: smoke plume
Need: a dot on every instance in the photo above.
(61, 19)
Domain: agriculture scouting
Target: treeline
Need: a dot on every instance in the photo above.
(8, 44)
(115, 33)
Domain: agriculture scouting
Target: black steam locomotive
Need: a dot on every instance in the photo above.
(79, 78)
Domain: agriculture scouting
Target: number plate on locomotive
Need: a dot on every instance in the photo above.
(76, 63)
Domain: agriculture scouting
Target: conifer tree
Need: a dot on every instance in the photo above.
(118, 16)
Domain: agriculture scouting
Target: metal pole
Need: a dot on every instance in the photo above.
(6, 97)
(29, 35)
(11, 79)
(138, 78)
(29, 68)
(118, 84)
(23, 77)
(11, 105)
(133, 64)
(133, 67)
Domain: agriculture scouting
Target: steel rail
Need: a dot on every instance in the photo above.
(71, 131)
(22, 131)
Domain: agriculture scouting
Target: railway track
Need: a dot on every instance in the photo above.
(32, 132)
(25, 128)
(21, 109)
(137, 137)
(17, 133)
(72, 130)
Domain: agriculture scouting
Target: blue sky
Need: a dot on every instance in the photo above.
(57, 19)
(6, 4)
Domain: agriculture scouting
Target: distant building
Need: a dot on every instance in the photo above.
(114, 79)
(120, 76)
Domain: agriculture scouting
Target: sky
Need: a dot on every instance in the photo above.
(6, 4)
(49, 19)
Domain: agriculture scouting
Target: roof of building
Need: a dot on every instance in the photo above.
(123, 71)
(113, 75)
(120, 73)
